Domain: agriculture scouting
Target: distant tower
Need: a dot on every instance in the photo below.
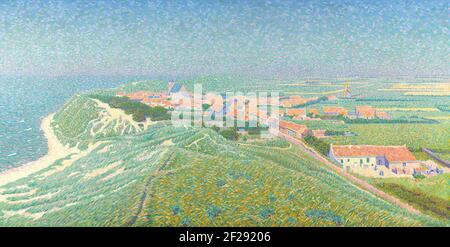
(170, 85)
(347, 93)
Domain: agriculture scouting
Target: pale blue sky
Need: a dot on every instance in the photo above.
(279, 38)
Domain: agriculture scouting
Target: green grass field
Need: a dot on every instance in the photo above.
(429, 194)
(415, 136)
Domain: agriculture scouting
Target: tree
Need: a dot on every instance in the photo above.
(230, 134)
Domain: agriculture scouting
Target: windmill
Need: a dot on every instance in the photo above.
(346, 93)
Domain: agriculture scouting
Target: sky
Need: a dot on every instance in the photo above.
(176, 38)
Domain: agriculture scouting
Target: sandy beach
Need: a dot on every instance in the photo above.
(56, 150)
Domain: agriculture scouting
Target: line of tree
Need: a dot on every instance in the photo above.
(410, 120)
(320, 99)
(318, 144)
(392, 121)
(139, 111)
(386, 100)
(339, 133)
(228, 133)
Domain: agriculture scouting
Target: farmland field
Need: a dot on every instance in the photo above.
(415, 136)
(428, 194)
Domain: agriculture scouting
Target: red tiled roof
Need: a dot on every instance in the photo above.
(335, 110)
(392, 153)
(314, 111)
(331, 97)
(286, 103)
(299, 128)
(292, 112)
(382, 114)
(365, 111)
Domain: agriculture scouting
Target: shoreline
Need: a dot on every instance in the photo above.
(56, 150)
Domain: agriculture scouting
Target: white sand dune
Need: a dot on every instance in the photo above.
(56, 150)
(122, 120)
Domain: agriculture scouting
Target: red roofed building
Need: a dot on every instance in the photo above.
(314, 112)
(331, 97)
(293, 129)
(383, 115)
(396, 158)
(286, 103)
(335, 111)
(296, 112)
(157, 102)
(138, 96)
(365, 111)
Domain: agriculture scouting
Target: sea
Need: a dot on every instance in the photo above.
(25, 100)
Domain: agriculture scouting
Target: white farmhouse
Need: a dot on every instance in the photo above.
(397, 159)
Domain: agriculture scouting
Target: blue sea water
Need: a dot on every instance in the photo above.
(24, 101)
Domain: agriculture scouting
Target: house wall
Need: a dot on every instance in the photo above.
(381, 160)
(294, 133)
(290, 132)
(364, 117)
(360, 161)
(364, 162)
(401, 165)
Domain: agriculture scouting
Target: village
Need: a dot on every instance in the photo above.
(366, 160)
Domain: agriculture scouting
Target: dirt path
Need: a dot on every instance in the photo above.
(255, 145)
(145, 192)
(359, 182)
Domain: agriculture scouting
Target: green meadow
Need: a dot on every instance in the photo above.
(415, 136)
(430, 194)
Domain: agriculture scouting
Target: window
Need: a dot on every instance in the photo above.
(348, 160)
(360, 161)
(404, 163)
(342, 161)
(367, 160)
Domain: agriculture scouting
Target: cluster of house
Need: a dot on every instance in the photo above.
(381, 160)
(163, 99)
(239, 107)
(362, 112)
